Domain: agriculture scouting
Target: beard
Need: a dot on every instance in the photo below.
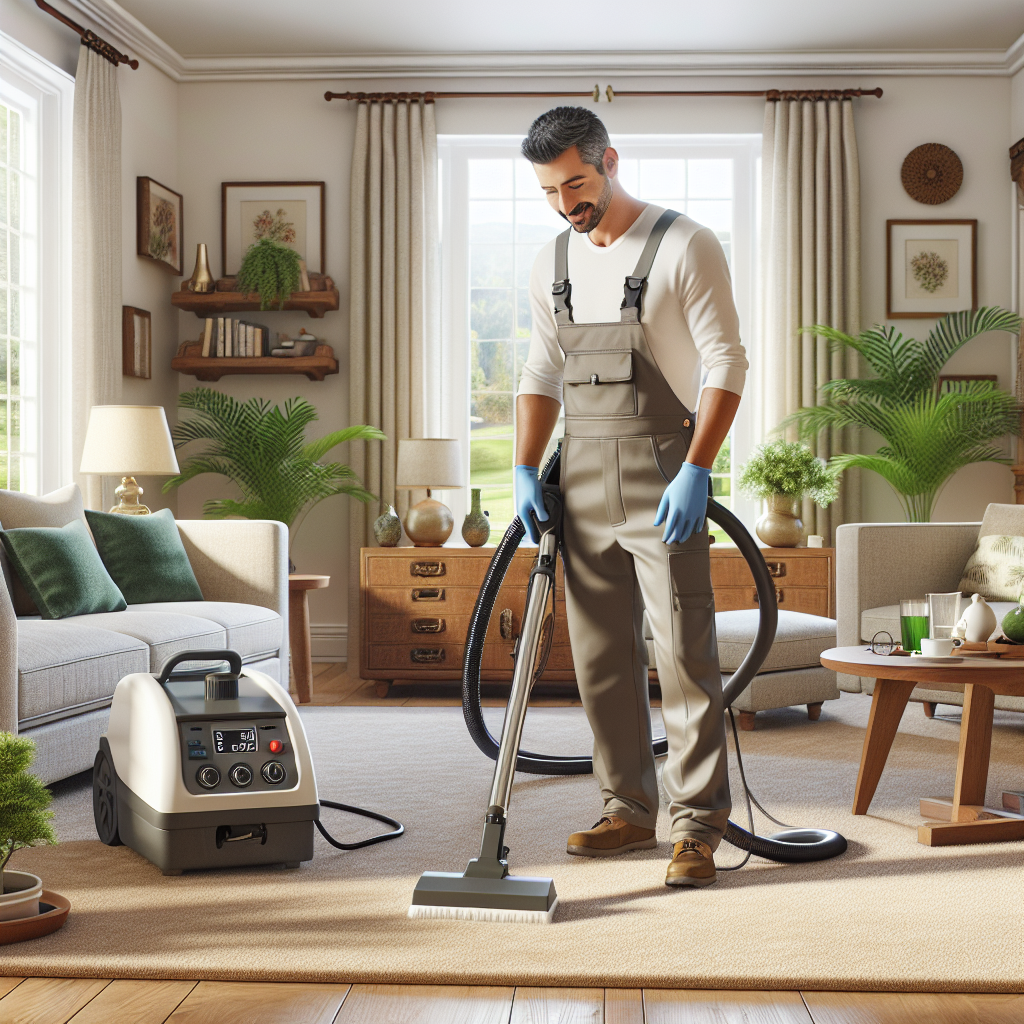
(591, 213)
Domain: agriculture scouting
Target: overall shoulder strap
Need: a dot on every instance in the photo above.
(561, 290)
(635, 282)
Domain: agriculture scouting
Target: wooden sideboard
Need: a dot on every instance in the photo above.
(416, 603)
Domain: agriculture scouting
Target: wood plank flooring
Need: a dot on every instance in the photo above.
(92, 1001)
(86, 1001)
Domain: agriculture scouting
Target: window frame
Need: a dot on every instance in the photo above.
(44, 94)
(450, 407)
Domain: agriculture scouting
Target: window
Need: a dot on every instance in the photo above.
(495, 221)
(35, 202)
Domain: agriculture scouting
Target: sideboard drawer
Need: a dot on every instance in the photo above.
(811, 600)
(434, 567)
(792, 572)
(436, 600)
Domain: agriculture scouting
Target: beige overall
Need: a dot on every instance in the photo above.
(626, 435)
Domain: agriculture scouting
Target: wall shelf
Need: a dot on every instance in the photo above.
(219, 303)
(190, 360)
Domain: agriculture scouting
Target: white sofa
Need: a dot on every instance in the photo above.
(57, 676)
(879, 564)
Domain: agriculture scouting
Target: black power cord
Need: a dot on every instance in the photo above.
(398, 827)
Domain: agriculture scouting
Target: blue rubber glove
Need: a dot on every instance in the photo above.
(528, 495)
(684, 504)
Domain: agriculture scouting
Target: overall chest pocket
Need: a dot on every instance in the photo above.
(599, 384)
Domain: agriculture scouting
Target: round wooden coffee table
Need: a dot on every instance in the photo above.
(964, 819)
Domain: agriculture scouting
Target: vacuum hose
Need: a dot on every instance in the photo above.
(793, 845)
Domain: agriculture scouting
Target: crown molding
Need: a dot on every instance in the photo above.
(112, 19)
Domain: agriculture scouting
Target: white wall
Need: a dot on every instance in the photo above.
(149, 147)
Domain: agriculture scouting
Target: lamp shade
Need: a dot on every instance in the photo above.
(429, 462)
(125, 440)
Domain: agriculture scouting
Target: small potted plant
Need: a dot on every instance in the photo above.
(272, 270)
(24, 822)
(782, 473)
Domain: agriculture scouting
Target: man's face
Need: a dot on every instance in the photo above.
(578, 191)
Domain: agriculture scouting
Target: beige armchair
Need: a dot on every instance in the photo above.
(878, 564)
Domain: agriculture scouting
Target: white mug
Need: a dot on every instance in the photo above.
(936, 648)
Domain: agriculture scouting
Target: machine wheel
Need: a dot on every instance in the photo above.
(104, 800)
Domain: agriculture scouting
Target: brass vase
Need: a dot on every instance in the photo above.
(476, 527)
(780, 526)
(202, 281)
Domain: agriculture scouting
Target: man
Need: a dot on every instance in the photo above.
(635, 470)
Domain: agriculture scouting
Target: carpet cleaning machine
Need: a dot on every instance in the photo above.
(486, 891)
(210, 769)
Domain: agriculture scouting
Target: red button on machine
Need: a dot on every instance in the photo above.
(275, 746)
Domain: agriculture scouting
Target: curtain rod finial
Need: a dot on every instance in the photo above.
(610, 93)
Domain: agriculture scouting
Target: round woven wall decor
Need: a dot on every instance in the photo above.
(932, 173)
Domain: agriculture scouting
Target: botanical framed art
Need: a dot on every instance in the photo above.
(158, 216)
(136, 342)
(931, 268)
(289, 212)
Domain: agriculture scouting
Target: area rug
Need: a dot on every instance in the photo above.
(888, 915)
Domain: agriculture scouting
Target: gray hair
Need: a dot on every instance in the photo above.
(561, 129)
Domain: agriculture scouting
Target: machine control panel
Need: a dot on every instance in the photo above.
(224, 757)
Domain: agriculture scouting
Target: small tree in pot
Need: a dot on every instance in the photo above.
(24, 820)
(782, 472)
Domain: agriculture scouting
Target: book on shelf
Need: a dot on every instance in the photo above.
(220, 337)
(207, 335)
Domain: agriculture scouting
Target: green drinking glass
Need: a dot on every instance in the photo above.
(913, 623)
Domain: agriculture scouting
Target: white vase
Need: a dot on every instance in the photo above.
(20, 896)
(978, 622)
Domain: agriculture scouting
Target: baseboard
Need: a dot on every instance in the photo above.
(329, 641)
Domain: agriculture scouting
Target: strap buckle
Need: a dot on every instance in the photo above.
(561, 292)
(631, 294)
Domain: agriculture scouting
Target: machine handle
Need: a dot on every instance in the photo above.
(233, 658)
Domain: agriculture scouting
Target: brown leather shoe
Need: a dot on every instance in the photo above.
(610, 837)
(692, 863)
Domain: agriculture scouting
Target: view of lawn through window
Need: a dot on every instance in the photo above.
(11, 192)
(509, 223)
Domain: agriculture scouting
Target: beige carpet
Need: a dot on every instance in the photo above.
(890, 914)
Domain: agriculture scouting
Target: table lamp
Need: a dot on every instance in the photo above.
(122, 440)
(433, 463)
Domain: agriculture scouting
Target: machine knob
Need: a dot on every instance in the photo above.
(241, 775)
(208, 777)
(273, 772)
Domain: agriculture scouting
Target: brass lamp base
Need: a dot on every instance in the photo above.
(128, 496)
(429, 523)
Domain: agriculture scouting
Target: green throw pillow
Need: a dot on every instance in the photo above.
(144, 556)
(61, 570)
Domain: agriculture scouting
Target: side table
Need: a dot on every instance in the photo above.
(299, 586)
(965, 819)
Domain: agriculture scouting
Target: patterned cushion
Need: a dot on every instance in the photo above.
(996, 569)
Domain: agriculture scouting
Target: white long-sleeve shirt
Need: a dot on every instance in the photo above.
(688, 312)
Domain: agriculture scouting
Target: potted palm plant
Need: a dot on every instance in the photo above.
(264, 452)
(24, 822)
(928, 435)
(782, 473)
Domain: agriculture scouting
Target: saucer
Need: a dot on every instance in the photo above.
(932, 659)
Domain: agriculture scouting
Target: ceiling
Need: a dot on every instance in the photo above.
(197, 28)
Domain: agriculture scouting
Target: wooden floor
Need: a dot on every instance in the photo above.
(99, 1001)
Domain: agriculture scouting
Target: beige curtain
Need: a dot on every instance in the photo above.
(393, 303)
(96, 255)
(810, 266)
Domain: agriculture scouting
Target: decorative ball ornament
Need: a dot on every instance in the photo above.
(932, 173)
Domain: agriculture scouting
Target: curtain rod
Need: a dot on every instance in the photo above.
(90, 39)
(595, 94)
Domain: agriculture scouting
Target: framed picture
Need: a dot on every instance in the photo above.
(931, 267)
(290, 212)
(136, 342)
(158, 215)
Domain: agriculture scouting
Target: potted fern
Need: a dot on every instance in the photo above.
(264, 452)
(782, 473)
(272, 270)
(928, 435)
(24, 822)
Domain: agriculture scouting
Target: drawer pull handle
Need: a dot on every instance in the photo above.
(428, 594)
(779, 597)
(427, 655)
(427, 569)
(428, 625)
(505, 624)
(777, 569)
